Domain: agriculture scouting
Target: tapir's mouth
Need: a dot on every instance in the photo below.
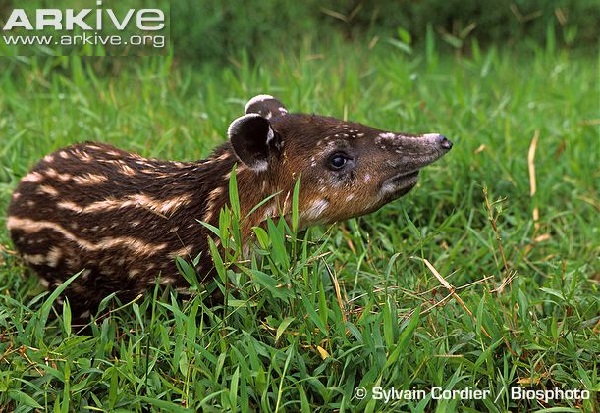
(399, 184)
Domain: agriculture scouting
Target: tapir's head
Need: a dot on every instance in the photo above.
(346, 169)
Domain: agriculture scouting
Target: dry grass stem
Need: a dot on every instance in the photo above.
(532, 183)
(452, 290)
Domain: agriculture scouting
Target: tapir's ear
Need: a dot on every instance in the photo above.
(266, 106)
(252, 139)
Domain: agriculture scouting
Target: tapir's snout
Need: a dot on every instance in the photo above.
(445, 143)
(406, 155)
(412, 152)
(436, 139)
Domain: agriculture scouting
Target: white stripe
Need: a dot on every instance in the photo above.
(132, 243)
(138, 200)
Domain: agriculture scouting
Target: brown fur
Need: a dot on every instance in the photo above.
(123, 219)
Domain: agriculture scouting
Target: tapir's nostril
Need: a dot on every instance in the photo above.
(445, 142)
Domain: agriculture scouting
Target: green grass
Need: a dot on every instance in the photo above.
(313, 317)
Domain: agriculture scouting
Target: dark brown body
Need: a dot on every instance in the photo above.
(122, 219)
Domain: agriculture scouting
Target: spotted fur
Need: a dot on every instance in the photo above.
(122, 219)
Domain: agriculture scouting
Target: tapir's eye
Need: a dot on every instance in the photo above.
(339, 160)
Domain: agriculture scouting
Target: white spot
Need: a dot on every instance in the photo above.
(71, 206)
(171, 280)
(85, 274)
(89, 179)
(270, 211)
(49, 158)
(127, 170)
(210, 203)
(54, 257)
(258, 166)
(182, 252)
(47, 189)
(215, 193)
(270, 135)
(367, 178)
(33, 177)
(164, 207)
(63, 155)
(387, 188)
(84, 157)
(223, 156)
(385, 136)
(350, 197)
(316, 208)
(51, 173)
(64, 177)
(34, 259)
(139, 246)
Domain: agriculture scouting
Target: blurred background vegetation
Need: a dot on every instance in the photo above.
(223, 31)
(218, 29)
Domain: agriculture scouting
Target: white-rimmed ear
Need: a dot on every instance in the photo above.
(266, 106)
(251, 138)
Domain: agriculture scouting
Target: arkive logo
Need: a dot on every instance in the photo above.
(85, 19)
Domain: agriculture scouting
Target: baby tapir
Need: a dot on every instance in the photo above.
(122, 219)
